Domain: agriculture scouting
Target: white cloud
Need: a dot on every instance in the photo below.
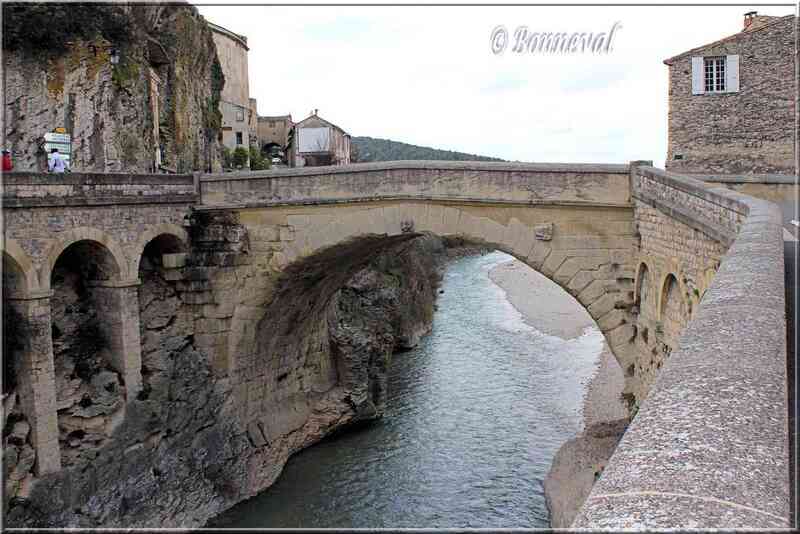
(426, 75)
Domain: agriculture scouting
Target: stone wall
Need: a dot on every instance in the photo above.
(750, 131)
(159, 95)
(683, 236)
(709, 445)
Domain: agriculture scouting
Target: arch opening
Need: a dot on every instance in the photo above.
(86, 332)
(672, 315)
(339, 362)
(160, 320)
(13, 323)
(19, 453)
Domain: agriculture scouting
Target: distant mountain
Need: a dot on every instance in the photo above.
(371, 149)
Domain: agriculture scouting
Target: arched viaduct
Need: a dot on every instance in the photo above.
(684, 279)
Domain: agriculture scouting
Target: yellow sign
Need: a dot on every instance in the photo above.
(60, 130)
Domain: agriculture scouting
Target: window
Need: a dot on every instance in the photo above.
(238, 138)
(714, 74)
(272, 124)
(240, 115)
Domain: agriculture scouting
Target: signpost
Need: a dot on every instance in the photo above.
(60, 140)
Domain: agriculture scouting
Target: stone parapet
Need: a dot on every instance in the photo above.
(709, 446)
(526, 183)
(31, 190)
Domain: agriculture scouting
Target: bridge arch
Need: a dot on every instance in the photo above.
(95, 339)
(669, 295)
(173, 237)
(593, 263)
(99, 239)
(644, 290)
(27, 282)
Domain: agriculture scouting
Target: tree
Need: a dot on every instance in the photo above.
(240, 157)
(227, 158)
(257, 160)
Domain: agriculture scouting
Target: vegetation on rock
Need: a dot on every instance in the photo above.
(47, 27)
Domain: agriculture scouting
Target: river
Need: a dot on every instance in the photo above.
(474, 417)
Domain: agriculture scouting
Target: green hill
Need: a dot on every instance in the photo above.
(371, 149)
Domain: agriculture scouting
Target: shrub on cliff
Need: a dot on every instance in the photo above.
(48, 27)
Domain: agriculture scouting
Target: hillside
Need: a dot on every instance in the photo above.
(371, 149)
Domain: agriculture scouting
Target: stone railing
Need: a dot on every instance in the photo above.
(709, 446)
(528, 183)
(30, 190)
(774, 179)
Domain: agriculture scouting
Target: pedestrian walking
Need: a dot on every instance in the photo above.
(56, 162)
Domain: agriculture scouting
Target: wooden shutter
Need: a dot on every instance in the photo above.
(732, 74)
(698, 85)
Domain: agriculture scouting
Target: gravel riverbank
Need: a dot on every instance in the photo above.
(551, 310)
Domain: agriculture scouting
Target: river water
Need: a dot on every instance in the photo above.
(474, 417)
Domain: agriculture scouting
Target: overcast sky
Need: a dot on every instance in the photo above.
(427, 75)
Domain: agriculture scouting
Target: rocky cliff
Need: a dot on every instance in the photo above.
(176, 457)
(136, 86)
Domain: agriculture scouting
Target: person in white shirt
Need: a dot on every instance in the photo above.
(56, 162)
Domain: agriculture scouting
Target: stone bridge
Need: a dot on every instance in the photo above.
(684, 279)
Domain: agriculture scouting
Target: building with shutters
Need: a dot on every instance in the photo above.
(319, 142)
(732, 102)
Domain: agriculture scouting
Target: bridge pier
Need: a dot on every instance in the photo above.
(118, 303)
(36, 377)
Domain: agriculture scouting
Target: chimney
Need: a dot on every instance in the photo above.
(315, 111)
(748, 18)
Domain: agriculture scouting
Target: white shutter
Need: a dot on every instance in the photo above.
(698, 87)
(732, 74)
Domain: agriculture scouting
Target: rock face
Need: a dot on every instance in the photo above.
(177, 457)
(576, 466)
(157, 104)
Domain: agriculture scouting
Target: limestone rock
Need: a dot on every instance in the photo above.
(576, 466)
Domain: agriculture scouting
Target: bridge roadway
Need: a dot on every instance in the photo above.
(684, 278)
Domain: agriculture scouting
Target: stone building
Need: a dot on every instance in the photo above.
(732, 102)
(114, 79)
(275, 133)
(234, 102)
(319, 142)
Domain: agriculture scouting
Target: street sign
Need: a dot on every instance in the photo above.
(61, 141)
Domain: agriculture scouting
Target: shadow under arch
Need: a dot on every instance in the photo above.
(326, 264)
(173, 238)
(90, 356)
(669, 289)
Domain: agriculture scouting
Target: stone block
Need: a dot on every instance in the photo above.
(174, 261)
(544, 232)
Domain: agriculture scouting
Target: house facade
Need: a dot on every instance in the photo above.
(318, 142)
(732, 102)
(275, 133)
(235, 104)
